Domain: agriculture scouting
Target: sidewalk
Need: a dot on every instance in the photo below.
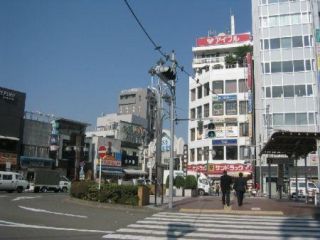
(251, 206)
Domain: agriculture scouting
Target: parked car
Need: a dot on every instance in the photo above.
(312, 188)
(12, 181)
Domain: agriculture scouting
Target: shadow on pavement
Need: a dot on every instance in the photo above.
(177, 230)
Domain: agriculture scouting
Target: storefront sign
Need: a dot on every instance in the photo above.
(222, 40)
(227, 98)
(225, 142)
(219, 168)
(7, 95)
(8, 157)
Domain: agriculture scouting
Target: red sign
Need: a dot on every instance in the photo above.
(219, 168)
(102, 151)
(222, 40)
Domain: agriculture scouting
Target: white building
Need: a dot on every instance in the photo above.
(220, 93)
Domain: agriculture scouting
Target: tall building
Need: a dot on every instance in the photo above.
(220, 94)
(285, 67)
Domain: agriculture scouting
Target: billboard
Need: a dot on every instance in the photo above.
(223, 40)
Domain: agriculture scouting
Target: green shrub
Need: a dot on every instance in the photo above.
(109, 193)
(190, 182)
(179, 182)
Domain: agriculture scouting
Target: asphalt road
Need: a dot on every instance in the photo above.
(57, 216)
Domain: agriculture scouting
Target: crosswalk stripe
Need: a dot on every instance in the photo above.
(173, 225)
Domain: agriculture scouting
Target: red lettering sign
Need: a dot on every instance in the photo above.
(222, 40)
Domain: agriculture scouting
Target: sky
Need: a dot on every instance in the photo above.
(73, 57)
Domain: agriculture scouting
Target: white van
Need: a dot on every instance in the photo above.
(12, 181)
(311, 188)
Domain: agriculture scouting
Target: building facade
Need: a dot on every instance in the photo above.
(220, 93)
(285, 63)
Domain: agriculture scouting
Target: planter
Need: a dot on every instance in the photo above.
(190, 192)
(178, 192)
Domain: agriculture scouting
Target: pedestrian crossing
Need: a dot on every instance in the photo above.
(177, 225)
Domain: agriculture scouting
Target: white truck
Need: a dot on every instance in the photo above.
(12, 181)
(312, 188)
(43, 180)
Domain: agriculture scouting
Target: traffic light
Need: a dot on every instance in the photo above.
(211, 133)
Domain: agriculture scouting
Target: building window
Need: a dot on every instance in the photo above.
(244, 129)
(206, 89)
(206, 111)
(199, 112)
(288, 91)
(287, 66)
(232, 152)
(268, 92)
(277, 119)
(231, 108)
(219, 152)
(232, 130)
(311, 118)
(193, 94)
(277, 91)
(290, 118)
(199, 92)
(302, 119)
(275, 43)
(242, 86)
(300, 90)
(309, 90)
(217, 87)
(231, 86)
(193, 113)
(243, 107)
(192, 157)
(192, 134)
(206, 153)
(217, 108)
(297, 41)
(275, 67)
(298, 65)
(199, 154)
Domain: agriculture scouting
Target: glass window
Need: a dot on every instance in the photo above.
(298, 65)
(206, 89)
(311, 118)
(231, 108)
(306, 40)
(231, 86)
(277, 91)
(243, 107)
(286, 42)
(244, 129)
(275, 67)
(267, 67)
(296, 18)
(232, 130)
(266, 44)
(308, 65)
(206, 111)
(300, 90)
(275, 43)
(273, 1)
(289, 119)
(217, 108)
(288, 91)
(7, 177)
(297, 41)
(242, 85)
(268, 92)
(302, 119)
(273, 21)
(277, 119)
(217, 87)
(219, 152)
(284, 20)
(232, 152)
(199, 92)
(287, 66)
(193, 113)
(264, 22)
(192, 134)
(199, 112)
(192, 157)
(193, 94)
(309, 90)
(305, 18)
(199, 154)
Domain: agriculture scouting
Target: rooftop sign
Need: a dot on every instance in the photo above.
(223, 40)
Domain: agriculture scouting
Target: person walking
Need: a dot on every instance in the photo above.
(240, 186)
(225, 184)
(217, 189)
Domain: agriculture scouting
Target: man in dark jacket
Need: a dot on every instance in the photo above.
(240, 187)
(225, 184)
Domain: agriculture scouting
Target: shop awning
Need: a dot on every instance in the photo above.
(112, 171)
(134, 172)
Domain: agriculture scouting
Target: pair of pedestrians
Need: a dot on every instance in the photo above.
(239, 186)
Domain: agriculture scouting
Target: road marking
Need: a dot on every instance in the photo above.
(175, 225)
(231, 211)
(25, 197)
(56, 213)
(22, 225)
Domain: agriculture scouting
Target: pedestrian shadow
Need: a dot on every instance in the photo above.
(178, 230)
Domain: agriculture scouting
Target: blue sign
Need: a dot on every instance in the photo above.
(227, 97)
(225, 142)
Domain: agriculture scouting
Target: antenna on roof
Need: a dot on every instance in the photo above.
(232, 23)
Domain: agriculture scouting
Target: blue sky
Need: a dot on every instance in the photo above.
(73, 57)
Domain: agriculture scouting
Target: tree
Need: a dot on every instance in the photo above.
(190, 182)
(179, 182)
(241, 53)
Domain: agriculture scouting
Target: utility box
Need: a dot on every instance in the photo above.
(143, 195)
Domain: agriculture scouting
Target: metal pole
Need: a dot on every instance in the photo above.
(305, 178)
(99, 174)
(269, 173)
(171, 153)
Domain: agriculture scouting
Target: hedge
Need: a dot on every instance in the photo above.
(109, 193)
